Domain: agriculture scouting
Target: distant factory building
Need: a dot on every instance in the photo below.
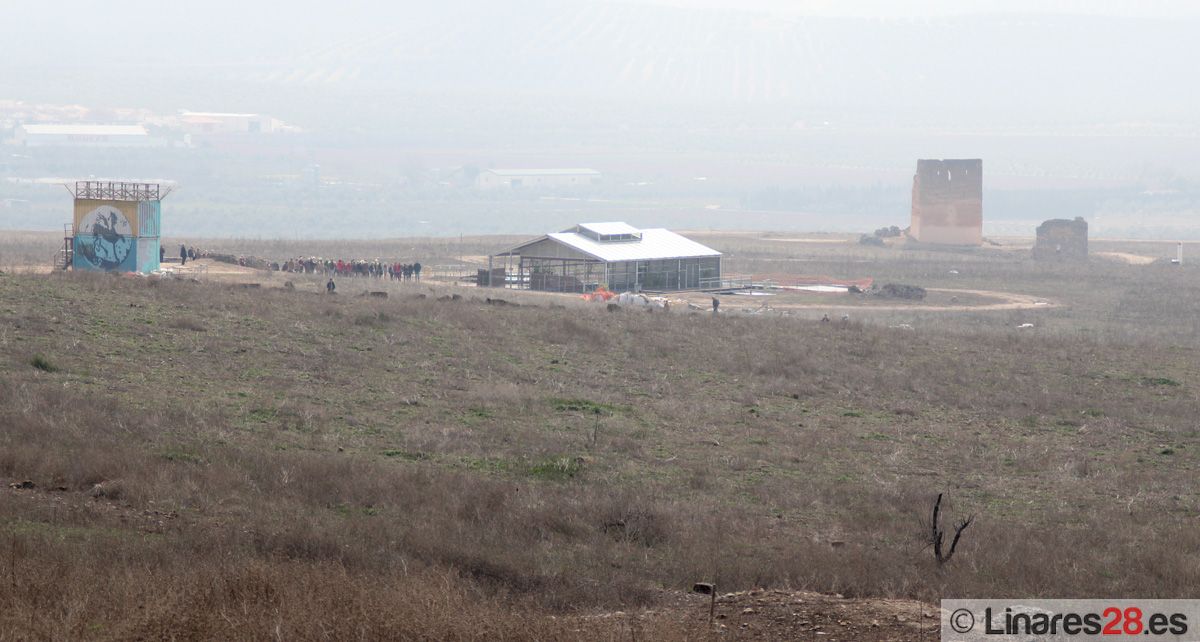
(85, 136)
(197, 122)
(616, 255)
(537, 178)
(947, 202)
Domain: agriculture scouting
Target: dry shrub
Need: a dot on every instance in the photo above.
(629, 518)
(186, 323)
(563, 329)
(166, 591)
(500, 394)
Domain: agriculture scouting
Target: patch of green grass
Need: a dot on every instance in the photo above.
(549, 469)
(61, 531)
(264, 415)
(348, 510)
(852, 413)
(1160, 381)
(182, 457)
(252, 374)
(557, 469)
(584, 406)
(408, 455)
(42, 363)
(487, 464)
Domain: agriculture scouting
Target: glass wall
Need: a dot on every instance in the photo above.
(562, 275)
(573, 275)
(666, 274)
(622, 276)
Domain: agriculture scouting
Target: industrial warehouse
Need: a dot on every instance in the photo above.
(537, 178)
(616, 255)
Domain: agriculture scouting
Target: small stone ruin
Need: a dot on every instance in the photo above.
(1062, 239)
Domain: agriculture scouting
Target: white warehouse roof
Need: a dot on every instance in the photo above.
(581, 171)
(215, 114)
(86, 130)
(655, 244)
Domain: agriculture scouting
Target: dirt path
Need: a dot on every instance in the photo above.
(195, 268)
(783, 615)
(808, 240)
(999, 301)
(202, 268)
(1007, 301)
(1132, 259)
(28, 269)
(783, 301)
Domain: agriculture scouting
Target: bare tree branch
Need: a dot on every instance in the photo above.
(937, 537)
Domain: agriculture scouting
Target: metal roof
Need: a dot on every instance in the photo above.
(580, 171)
(86, 130)
(606, 229)
(656, 244)
(215, 114)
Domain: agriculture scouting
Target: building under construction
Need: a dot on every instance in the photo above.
(615, 255)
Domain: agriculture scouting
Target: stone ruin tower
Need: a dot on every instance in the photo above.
(947, 202)
(1062, 239)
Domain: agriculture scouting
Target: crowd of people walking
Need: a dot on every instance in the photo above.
(354, 268)
(377, 269)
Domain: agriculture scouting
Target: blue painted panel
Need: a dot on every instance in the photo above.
(149, 218)
(115, 252)
(147, 255)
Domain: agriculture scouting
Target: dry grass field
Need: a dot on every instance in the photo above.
(201, 459)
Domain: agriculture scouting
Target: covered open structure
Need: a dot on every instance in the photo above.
(615, 255)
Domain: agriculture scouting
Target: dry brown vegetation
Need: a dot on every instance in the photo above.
(210, 461)
(20, 250)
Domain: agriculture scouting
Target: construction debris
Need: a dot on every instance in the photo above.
(900, 291)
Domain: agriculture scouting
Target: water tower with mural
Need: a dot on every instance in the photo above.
(116, 227)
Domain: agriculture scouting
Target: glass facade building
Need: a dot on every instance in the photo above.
(614, 255)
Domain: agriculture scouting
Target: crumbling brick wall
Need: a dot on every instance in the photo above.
(1062, 239)
(947, 202)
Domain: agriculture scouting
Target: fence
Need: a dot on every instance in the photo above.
(726, 283)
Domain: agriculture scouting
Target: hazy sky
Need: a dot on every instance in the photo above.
(975, 63)
(753, 94)
(894, 8)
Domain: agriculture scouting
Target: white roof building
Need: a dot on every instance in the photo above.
(211, 122)
(616, 255)
(537, 178)
(85, 136)
(634, 245)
